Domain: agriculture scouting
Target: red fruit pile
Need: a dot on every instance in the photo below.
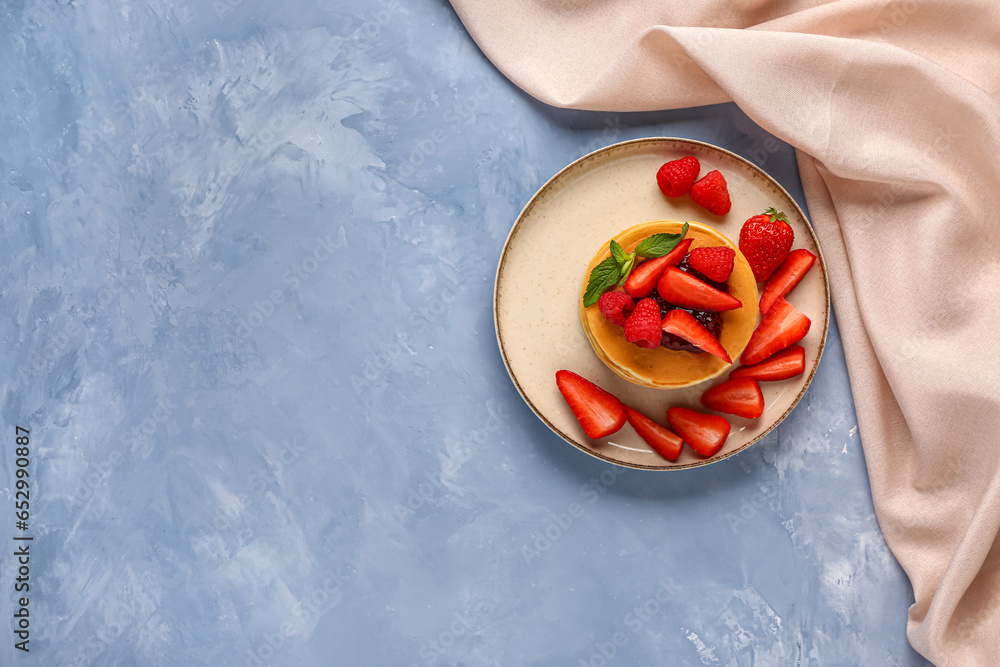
(680, 296)
(771, 355)
(602, 414)
(680, 177)
(672, 293)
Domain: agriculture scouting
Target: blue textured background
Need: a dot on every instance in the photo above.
(247, 253)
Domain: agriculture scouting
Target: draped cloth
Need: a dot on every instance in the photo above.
(893, 110)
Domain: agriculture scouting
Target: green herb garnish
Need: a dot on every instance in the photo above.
(614, 270)
(776, 215)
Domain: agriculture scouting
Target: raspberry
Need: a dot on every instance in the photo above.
(616, 306)
(685, 266)
(712, 193)
(715, 263)
(676, 177)
(643, 326)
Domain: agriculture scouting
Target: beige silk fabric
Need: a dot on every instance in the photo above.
(893, 109)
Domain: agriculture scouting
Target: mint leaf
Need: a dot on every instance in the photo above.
(604, 276)
(617, 252)
(626, 269)
(659, 245)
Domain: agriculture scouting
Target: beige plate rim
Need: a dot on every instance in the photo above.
(562, 174)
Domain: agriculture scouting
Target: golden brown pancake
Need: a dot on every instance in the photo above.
(661, 367)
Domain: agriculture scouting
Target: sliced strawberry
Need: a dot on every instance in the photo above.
(782, 326)
(704, 433)
(683, 289)
(715, 262)
(786, 277)
(599, 413)
(781, 366)
(741, 397)
(683, 324)
(665, 443)
(642, 281)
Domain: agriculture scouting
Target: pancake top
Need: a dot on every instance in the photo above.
(661, 367)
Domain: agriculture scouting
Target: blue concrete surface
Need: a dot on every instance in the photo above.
(248, 252)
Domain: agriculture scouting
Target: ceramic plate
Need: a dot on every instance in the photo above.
(542, 268)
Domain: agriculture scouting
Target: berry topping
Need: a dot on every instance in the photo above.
(780, 327)
(642, 281)
(781, 366)
(741, 397)
(704, 433)
(683, 324)
(643, 326)
(788, 275)
(599, 413)
(616, 306)
(715, 263)
(664, 442)
(685, 290)
(765, 240)
(712, 193)
(709, 319)
(675, 178)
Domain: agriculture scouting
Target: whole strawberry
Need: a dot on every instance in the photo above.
(676, 177)
(765, 241)
(715, 263)
(712, 193)
(643, 326)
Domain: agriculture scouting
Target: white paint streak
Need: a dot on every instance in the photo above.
(706, 653)
(633, 449)
(762, 612)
